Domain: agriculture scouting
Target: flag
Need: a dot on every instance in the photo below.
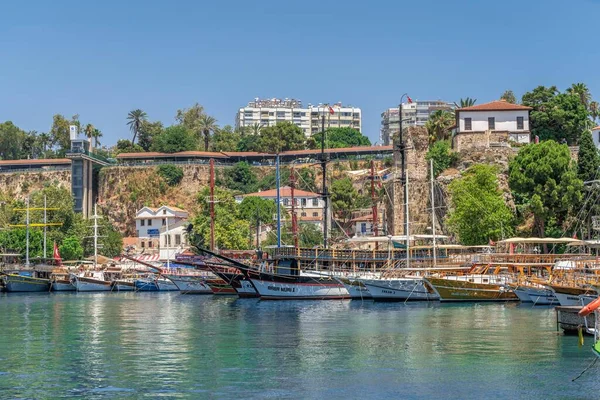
(57, 255)
(492, 243)
(409, 99)
(331, 110)
(575, 236)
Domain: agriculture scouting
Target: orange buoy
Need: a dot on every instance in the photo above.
(590, 308)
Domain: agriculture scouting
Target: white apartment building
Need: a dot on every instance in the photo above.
(596, 136)
(268, 112)
(415, 113)
(149, 222)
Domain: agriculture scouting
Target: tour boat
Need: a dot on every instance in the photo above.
(573, 295)
(473, 287)
(91, 281)
(189, 284)
(237, 281)
(538, 295)
(355, 287)
(219, 286)
(123, 285)
(59, 283)
(26, 281)
(400, 289)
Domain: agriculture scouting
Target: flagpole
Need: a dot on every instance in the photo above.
(45, 227)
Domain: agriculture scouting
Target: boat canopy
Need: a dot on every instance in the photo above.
(401, 238)
(536, 240)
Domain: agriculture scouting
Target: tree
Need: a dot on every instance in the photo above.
(478, 212)
(174, 139)
(255, 129)
(442, 155)
(594, 110)
(240, 178)
(189, 117)
(588, 161)
(125, 146)
(11, 141)
(256, 210)
(581, 90)
(225, 139)
(71, 249)
(283, 136)
(207, 124)
(170, 173)
(309, 235)
(231, 231)
(345, 199)
(509, 97)
(61, 134)
(468, 102)
(96, 135)
(148, 131)
(557, 116)
(305, 179)
(136, 118)
(438, 125)
(339, 138)
(544, 183)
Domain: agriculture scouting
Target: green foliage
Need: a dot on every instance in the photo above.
(438, 125)
(124, 146)
(136, 118)
(239, 178)
(468, 102)
(442, 155)
(225, 139)
(588, 161)
(544, 182)
(478, 211)
(339, 138)
(254, 208)
(557, 116)
(283, 136)
(231, 230)
(170, 173)
(309, 235)
(305, 179)
(174, 139)
(71, 249)
(509, 97)
(60, 132)
(12, 140)
(207, 124)
(345, 199)
(148, 131)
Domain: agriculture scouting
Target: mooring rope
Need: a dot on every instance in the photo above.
(585, 370)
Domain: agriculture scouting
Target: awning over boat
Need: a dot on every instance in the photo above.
(536, 240)
(400, 238)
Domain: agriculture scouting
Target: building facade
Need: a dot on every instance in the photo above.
(268, 112)
(415, 113)
(596, 136)
(491, 123)
(150, 223)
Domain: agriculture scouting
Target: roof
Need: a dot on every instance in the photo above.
(496, 105)
(364, 218)
(154, 154)
(358, 149)
(40, 161)
(596, 128)
(130, 241)
(284, 191)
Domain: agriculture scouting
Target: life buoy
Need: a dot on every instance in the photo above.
(590, 308)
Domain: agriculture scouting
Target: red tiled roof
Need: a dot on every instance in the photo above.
(54, 161)
(367, 218)
(150, 154)
(334, 151)
(284, 191)
(497, 105)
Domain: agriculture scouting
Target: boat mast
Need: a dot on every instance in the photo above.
(407, 224)
(278, 184)
(45, 227)
(294, 217)
(212, 205)
(27, 234)
(95, 235)
(375, 221)
(324, 167)
(168, 238)
(432, 211)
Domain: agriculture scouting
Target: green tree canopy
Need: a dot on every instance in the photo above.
(175, 139)
(339, 138)
(254, 208)
(438, 125)
(12, 141)
(71, 249)
(240, 178)
(225, 139)
(544, 182)
(124, 146)
(283, 136)
(345, 199)
(305, 179)
(442, 155)
(172, 174)
(148, 131)
(509, 97)
(478, 212)
(309, 235)
(60, 132)
(557, 116)
(588, 160)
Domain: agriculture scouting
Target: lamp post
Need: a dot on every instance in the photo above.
(401, 147)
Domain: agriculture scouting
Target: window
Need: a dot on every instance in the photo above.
(142, 244)
(303, 214)
(286, 202)
(315, 214)
(164, 212)
(491, 123)
(150, 244)
(177, 240)
(143, 222)
(164, 221)
(149, 222)
(315, 202)
(363, 227)
(520, 124)
(168, 240)
(280, 114)
(467, 124)
(303, 202)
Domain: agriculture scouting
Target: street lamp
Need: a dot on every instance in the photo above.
(401, 147)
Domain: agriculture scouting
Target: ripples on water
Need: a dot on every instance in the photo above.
(127, 345)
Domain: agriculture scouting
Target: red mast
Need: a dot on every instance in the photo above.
(294, 218)
(375, 221)
(212, 204)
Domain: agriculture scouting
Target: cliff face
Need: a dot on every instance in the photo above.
(19, 185)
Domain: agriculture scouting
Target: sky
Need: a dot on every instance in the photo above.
(103, 59)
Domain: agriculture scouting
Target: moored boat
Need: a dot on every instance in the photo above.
(472, 288)
(91, 281)
(356, 288)
(238, 282)
(400, 289)
(573, 295)
(26, 281)
(189, 284)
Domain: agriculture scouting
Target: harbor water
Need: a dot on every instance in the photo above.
(167, 345)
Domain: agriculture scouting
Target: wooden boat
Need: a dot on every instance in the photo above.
(26, 281)
(236, 279)
(91, 281)
(189, 284)
(219, 286)
(573, 295)
(400, 289)
(124, 285)
(472, 288)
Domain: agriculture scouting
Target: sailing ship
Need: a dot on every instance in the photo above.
(473, 287)
(236, 279)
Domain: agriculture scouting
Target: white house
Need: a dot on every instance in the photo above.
(173, 241)
(492, 122)
(149, 221)
(362, 225)
(596, 136)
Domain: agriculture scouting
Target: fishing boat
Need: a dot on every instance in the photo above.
(236, 279)
(472, 287)
(123, 285)
(400, 289)
(356, 288)
(60, 281)
(573, 295)
(26, 280)
(91, 281)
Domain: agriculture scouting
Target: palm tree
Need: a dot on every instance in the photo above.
(207, 124)
(89, 131)
(438, 125)
(468, 102)
(44, 140)
(594, 110)
(136, 119)
(255, 128)
(96, 135)
(509, 97)
(582, 91)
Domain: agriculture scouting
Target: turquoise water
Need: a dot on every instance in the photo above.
(166, 345)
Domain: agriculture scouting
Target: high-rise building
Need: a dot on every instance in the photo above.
(268, 112)
(413, 114)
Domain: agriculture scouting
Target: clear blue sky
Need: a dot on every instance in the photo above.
(103, 59)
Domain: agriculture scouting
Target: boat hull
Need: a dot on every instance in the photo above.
(356, 288)
(190, 284)
(142, 285)
(542, 297)
(457, 290)
(573, 296)
(400, 290)
(165, 285)
(282, 287)
(63, 286)
(242, 286)
(20, 283)
(91, 285)
(123, 286)
(219, 286)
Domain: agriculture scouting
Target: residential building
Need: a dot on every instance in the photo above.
(308, 207)
(415, 113)
(596, 136)
(149, 222)
(268, 112)
(173, 241)
(490, 124)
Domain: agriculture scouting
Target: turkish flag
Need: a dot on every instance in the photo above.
(331, 110)
(409, 99)
(57, 255)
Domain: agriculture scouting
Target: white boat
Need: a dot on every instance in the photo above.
(355, 287)
(166, 285)
(541, 296)
(573, 296)
(189, 284)
(124, 285)
(91, 281)
(296, 287)
(522, 294)
(400, 289)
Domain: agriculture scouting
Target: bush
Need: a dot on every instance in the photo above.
(443, 157)
(171, 174)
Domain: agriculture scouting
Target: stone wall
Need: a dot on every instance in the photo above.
(18, 185)
(478, 140)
